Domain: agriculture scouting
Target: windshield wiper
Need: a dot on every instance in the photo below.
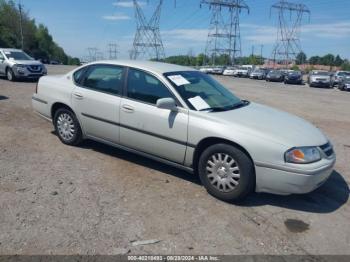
(240, 104)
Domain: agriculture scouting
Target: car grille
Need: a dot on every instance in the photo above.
(34, 68)
(327, 149)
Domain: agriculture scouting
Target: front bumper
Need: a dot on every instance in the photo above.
(320, 83)
(293, 81)
(283, 182)
(25, 73)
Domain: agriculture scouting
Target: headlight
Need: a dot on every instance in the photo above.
(21, 66)
(302, 155)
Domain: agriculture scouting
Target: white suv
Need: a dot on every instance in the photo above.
(16, 64)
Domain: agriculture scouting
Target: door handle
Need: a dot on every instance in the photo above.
(78, 96)
(128, 108)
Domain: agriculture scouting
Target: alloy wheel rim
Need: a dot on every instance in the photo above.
(65, 126)
(9, 75)
(223, 172)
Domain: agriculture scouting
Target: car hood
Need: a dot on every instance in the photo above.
(27, 62)
(272, 124)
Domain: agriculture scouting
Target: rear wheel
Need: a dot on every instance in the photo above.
(226, 172)
(10, 75)
(67, 127)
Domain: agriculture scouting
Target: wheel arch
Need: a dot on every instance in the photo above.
(209, 141)
(57, 106)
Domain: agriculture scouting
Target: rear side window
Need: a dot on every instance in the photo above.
(104, 78)
(145, 87)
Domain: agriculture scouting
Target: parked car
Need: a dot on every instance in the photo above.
(275, 76)
(344, 83)
(293, 77)
(185, 118)
(257, 74)
(229, 71)
(206, 69)
(338, 76)
(16, 64)
(241, 72)
(218, 70)
(318, 78)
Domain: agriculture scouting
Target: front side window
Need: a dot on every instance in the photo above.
(145, 87)
(201, 92)
(104, 78)
(17, 55)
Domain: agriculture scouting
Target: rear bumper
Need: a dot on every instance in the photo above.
(282, 182)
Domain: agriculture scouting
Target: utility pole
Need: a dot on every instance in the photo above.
(224, 36)
(252, 50)
(21, 24)
(290, 16)
(261, 54)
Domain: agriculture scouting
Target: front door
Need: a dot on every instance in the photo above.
(145, 127)
(96, 100)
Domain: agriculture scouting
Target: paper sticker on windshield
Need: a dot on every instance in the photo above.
(179, 80)
(198, 103)
(7, 53)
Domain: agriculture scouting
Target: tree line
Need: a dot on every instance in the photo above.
(37, 41)
(327, 60)
(201, 59)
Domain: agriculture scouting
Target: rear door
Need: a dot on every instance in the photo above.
(147, 128)
(96, 100)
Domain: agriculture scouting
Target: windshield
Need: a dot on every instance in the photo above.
(17, 55)
(344, 73)
(201, 92)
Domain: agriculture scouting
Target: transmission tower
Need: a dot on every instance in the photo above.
(113, 51)
(92, 54)
(290, 17)
(147, 42)
(224, 37)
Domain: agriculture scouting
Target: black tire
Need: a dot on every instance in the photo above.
(10, 75)
(72, 137)
(246, 180)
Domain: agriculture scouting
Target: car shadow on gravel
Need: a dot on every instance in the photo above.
(140, 160)
(328, 198)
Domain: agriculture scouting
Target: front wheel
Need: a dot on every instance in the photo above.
(226, 172)
(67, 127)
(10, 75)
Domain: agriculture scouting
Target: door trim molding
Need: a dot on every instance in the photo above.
(140, 131)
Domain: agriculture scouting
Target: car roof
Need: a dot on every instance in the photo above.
(11, 49)
(156, 67)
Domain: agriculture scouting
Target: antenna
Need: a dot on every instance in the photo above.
(224, 37)
(290, 16)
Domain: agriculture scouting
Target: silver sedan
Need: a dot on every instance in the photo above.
(185, 118)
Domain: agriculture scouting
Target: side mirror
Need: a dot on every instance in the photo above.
(166, 103)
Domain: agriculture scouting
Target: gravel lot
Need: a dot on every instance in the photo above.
(95, 199)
